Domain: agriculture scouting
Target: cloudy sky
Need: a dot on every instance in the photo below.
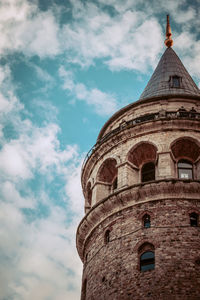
(65, 67)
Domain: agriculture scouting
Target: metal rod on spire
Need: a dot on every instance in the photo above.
(168, 41)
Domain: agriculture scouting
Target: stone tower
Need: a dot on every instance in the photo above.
(139, 238)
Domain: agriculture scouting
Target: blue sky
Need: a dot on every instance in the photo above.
(65, 68)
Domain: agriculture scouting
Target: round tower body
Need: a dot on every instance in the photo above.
(140, 236)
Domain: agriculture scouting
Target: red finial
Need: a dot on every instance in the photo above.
(168, 41)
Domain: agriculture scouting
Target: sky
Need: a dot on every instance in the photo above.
(65, 67)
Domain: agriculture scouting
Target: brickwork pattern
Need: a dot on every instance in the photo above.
(111, 270)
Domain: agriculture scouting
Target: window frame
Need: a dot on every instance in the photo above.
(145, 262)
(182, 168)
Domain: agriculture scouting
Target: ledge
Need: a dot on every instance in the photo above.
(144, 101)
(126, 197)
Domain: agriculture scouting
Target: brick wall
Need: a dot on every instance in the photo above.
(112, 269)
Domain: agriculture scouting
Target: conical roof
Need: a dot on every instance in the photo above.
(170, 78)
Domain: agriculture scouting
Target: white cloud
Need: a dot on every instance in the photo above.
(122, 40)
(131, 38)
(24, 28)
(38, 258)
(103, 103)
(189, 49)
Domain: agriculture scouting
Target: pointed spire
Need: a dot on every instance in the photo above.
(161, 82)
(168, 69)
(168, 41)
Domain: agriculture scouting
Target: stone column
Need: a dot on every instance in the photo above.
(165, 166)
(128, 174)
(100, 191)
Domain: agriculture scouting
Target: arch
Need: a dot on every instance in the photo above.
(107, 171)
(142, 153)
(146, 246)
(185, 148)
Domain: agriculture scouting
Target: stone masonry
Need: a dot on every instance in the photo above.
(162, 130)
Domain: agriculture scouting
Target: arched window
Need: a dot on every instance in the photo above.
(107, 236)
(146, 221)
(185, 169)
(148, 172)
(194, 219)
(147, 261)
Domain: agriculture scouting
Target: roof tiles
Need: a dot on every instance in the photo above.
(161, 82)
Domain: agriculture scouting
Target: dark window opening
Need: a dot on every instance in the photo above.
(146, 221)
(176, 81)
(148, 172)
(107, 236)
(194, 219)
(192, 112)
(115, 184)
(185, 169)
(147, 261)
(89, 193)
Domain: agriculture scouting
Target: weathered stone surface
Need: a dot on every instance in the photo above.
(112, 236)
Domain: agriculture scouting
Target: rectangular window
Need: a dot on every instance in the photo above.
(185, 174)
(175, 81)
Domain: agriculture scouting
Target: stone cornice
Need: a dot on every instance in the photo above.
(144, 101)
(133, 195)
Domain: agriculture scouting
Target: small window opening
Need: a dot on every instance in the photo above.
(115, 184)
(146, 221)
(148, 172)
(176, 81)
(147, 261)
(89, 193)
(107, 236)
(194, 219)
(185, 169)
